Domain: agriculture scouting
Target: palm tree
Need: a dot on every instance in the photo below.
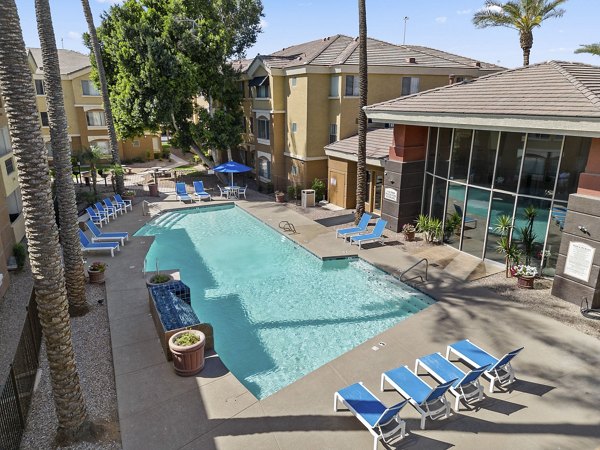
(114, 146)
(65, 188)
(521, 15)
(16, 86)
(93, 155)
(361, 164)
(594, 49)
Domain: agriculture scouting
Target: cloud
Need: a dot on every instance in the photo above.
(462, 12)
(74, 35)
(111, 2)
(441, 19)
(561, 50)
(494, 8)
(263, 23)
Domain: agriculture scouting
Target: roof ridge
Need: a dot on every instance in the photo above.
(330, 42)
(445, 55)
(593, 98)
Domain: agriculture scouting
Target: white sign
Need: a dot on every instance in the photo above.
(579, 260)
(391, 194)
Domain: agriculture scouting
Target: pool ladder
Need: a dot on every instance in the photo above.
(412, 267)
(287, 227)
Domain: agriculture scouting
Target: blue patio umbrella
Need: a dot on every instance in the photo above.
(232, 167)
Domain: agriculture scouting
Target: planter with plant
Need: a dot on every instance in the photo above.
(158, 278)
(504, 245)
(320, 189)
(452, 226)
(431, 227)
(279, 197)
(128, 195)
(96, 272)
(525, 275)
(409, 232)
(292, 192)
(187, 348)
(20, 253)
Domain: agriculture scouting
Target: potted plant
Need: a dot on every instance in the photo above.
(187, 348)
(430, 226)
(409, 232)
(159, 278)
(525, 275)
(452, 226)
(128, 195)
(279, 197)
(96, 272)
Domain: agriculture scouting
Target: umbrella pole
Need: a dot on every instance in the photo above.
(231, 179)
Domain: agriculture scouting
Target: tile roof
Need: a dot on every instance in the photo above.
(241, 64)
(378, 143)
(341, 49)
(554, 88)
(68, 60)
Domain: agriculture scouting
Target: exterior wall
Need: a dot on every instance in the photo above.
(343, 195)
(318, 115)
(145, 150)
(296, 112)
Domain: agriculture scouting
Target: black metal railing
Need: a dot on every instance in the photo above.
(17, 388)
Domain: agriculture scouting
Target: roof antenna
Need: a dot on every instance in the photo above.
(62, 43)
(404, 38)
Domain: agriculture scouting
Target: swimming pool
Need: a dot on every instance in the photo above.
(278, 311)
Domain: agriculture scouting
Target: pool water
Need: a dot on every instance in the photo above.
(278, 312)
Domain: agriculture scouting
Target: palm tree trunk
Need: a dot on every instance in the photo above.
(361, 164)
(114, 145)
(65, 188)
(42, 235)
(526, 41)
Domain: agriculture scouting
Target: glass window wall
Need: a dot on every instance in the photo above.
(454, 208)
(541, 164)
(443, 152)
(474, 220)
(572, 163)
(502, 205)
(433, 132)
(509, 161)
(461, 150)
(483, 158)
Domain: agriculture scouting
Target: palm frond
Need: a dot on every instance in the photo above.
(594, 49)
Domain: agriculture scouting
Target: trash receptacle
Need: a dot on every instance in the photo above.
(308, 198)
(153, 188)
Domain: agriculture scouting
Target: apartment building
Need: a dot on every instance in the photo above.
(302, 98)
(83, 106)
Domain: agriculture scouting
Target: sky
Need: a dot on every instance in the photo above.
(440, 24)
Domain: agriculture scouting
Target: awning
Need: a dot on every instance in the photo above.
(259, 81)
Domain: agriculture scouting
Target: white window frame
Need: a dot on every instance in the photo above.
(91, 88)
(334, 86)
(263, 124)
(95, 114)
(413, 85)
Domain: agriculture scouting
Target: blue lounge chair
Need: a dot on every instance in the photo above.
(182, 194)
(123, 203)
(200, 192)
(427, 401)
(468, 220)
(103, 211)
(88, 246)
(466, 387)
(371, 412)
(98, 235)
(375, 235)
(98, 219)
(114, 206)
(360, 228)
(499, 370)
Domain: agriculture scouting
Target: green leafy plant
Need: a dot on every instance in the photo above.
(504, 245)
(160, 278)
(319, 187)
(97, 266)
(528, 237)
(292, 192)
(186, 339)
(430, 226)
(20, 253)
(452, 226)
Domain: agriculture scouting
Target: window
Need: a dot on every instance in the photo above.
(262, 91)
(39, 87)
(103, 146)
(15, 205)
(263, 128)
(294, 170)
(294, 127)
(264, 168)
(89, 88)
(4, 141)
(95, 119)
(251, 120)
(334, 86)
(352, 89)
(44, 117)
(136, 142)
(333, 133)
(410, 85)
(10, 166)
(294, 81)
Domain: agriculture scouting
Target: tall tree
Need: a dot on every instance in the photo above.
(361, 164)
(520, 15)
(16, 86)
(159, 56)
(593, 49)
(61, 151)
(101, 75)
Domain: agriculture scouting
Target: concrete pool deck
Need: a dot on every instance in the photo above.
(553, 404)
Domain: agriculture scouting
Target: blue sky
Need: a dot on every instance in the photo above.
(441, 24)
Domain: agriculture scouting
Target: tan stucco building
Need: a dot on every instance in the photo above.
(302, 98)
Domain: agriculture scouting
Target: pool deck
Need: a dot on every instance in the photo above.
(553, 404)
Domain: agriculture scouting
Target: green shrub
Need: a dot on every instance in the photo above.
(166, 153)
(20, 254)
(137, 159)
(157, 155)
(160, 278)
(270, 188)
(430, 226)
(320, 189)
(187, 339)
(292, 192)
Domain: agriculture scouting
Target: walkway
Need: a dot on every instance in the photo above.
(553, 404)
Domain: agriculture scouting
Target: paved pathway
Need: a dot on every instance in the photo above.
(554, 403)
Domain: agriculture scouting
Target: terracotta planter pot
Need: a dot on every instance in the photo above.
(280, 198)
(188, 360)
(525, 282)
(96, 276)
(409, 236)
(127, 197)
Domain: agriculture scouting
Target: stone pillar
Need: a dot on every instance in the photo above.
(403, 177)
(582, 229)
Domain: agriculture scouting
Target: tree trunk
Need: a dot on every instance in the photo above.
(61, 151)
(114, 145)
(526, 41)
(16, 86)
(361, 164)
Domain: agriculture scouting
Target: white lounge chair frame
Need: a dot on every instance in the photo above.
(337, 398)
(92, 249)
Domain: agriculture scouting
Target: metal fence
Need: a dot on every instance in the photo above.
(17, 390)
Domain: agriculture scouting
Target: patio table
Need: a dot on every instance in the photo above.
(232, 191)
